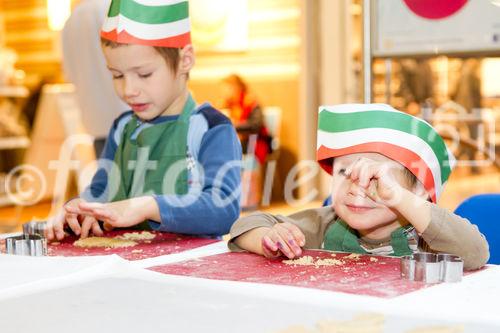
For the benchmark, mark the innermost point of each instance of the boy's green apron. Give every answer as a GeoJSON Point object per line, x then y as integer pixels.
{"type": "Point", "coordinates": [341, 237]}
{"type": "Point", "coordinates": [143, 163]}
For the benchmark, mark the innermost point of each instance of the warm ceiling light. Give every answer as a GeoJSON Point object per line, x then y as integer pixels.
{"type": "Point", "coordinates": [58, 12]}
{"type": "Point", "coordinates": [219, 25]}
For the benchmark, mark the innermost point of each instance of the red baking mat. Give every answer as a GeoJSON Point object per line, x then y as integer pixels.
{"type": "Point", "coordinates": [163, 243]}
{"type": "Point", "coordinates": [379, 277]}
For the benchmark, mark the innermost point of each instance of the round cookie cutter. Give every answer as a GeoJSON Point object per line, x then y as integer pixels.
{"type": "Point", "coordinates": [432, 267]}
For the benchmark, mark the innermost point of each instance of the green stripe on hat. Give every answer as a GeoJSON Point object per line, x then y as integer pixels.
{"type": "Point", "coordinates": [341, 122]}
{"type": "Point", "coordinates": [149, 14]}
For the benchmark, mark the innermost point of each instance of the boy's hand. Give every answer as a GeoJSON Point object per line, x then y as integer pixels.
{"type": "Point", "coordinates": [119, 214]}
{"type": "Point", "coordinates": [283, 238]}
{"type": "Point", "coordinates": [377, 179]}
{"type": "Point", "coordinates": [79, 224]}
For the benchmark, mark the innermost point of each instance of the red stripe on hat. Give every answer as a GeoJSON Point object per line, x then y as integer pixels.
{"type": "Point", "coordinates": [178, 41]}
{"type": "Point", "coordinates": [406, 157]}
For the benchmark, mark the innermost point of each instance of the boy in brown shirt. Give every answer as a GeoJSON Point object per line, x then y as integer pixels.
{"type": "Point", "coordinates": [388, 169]}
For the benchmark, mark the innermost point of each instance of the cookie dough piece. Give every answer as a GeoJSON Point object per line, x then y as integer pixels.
{"type": "Point", "coordinates": [106, 242]}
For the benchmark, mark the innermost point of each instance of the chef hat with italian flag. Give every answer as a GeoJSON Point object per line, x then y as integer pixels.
{"type": "Point", "coordinates": [163, 23]}
{"type": "Point", "coordinates": [379, 128]}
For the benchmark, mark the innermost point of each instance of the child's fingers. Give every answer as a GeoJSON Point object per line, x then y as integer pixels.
{"type": "Point", "coordinates": [297, 234]}
{"type": "Point", "coordinates": [269, 248]}
{"type": "Point", "coordinates": [372, 188]}
{"type": "Point", "coordinates": [271, 255]}
{"type": "Point", "coordinates": [98, 213]}
{"type": "Point", "coordinates": [79, 212]}
{"type": "Point", "coordinates": [73, 223]}
{"type": "Point", "coordinates": [353, 170]}
{"type": "Point", "coordinates": [87, 225]}
{"type": "Point", "coordinates": [106, 216]}
{"type": "Point", "coordinates": [54, 223]}
{"type": "Point", "coordinates": [96, 229]}
{"type": "Point", "coordinates": [49, 229]}
{"type": "Point", "coordinates": [73, 210]}
{"type": "Point", "coordinates": [281, 244]}
{"type": "Point", "coordinates": [373, 191]}
{"type": "Point", "coordinates": [49, 232]}
{"type": "Point", "coordinates": [269, 244]}
{"type": "Point", "coordinates": [58, 231]}
{"type": "Point", "coordinates": [90, 206]}
{"type": "Point", "coordinates": [285, 249]}
{"type": "Point", "coordinates": [281, 237]}
{"type": "Point", "coordinates": [359, 169]}
{"type": "Point", "coordinates": [289, 238]}
{"type": "Point", "coordinates": [366, 173]}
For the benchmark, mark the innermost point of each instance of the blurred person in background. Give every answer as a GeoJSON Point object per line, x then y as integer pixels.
{"type": "Point", "coordinates": [85, 67]}
{"type": "Point", "coordinates": [467, 93]}
{"type": "Point", "coordinates": [247, 116]}
{"type": "Point", "coordinates": [416, 84]}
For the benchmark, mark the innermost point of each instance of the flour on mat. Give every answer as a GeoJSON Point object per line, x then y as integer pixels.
{"type": "Point", "coordinates": [309, 261]}
{"type": "Point", "coordinates": [104, 242]}
{"type": "Point", "coordinates": [138, 236]}
{"type": "Point", "coordinates": [353, 256]}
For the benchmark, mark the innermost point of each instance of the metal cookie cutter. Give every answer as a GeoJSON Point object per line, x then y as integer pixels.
{"type": "Point", "coordinates": [34, 228]}
{"type": "Point", "coordinates": [432, 268]}
{"type": "Point", "coordinates": [27, 245]}
{"type": "Point", "coordinates": [452, 267]}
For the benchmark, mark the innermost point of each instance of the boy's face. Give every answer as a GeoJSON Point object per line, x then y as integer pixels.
{"type": "Point", "coordinates": [352, 203]}
{"type": "Point", "coordinates": [143, 80]}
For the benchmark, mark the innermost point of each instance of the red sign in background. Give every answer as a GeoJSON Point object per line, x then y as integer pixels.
{"type": "Point", "coordinates": [379, 277]}
{"type": "Point", "coordinates": [162, 244]}
{"type": "Point", "coordinates": [435, 9]}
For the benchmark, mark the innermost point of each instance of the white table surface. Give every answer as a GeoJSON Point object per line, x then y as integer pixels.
{"type": "Point", "coordinates": [97, 294]}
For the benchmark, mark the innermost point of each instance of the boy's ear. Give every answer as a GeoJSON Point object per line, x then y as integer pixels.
{"type": "Point", "coordinates": [187, 59]}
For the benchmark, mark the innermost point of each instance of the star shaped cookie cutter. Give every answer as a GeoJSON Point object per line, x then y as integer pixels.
{"type": "Point", "coordinates": [432, 267]}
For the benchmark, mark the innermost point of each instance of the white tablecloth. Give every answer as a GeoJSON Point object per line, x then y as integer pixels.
{"type": "Point", "coordinates": [109, 294]}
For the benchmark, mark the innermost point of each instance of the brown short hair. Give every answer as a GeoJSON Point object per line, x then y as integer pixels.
{"type": "Point", "coordinates": [171, 55]}
{"type": "Point", "coordinates": [410, 177]}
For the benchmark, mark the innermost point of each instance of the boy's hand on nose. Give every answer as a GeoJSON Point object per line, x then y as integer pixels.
{"type": "Point", "coordinates": [376, 179]}
{"type": "Point", "coordinates": [363, 171]}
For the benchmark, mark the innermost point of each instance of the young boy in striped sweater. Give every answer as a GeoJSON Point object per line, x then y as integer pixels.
{"type": "Point", "coordinates": [388, 169]}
